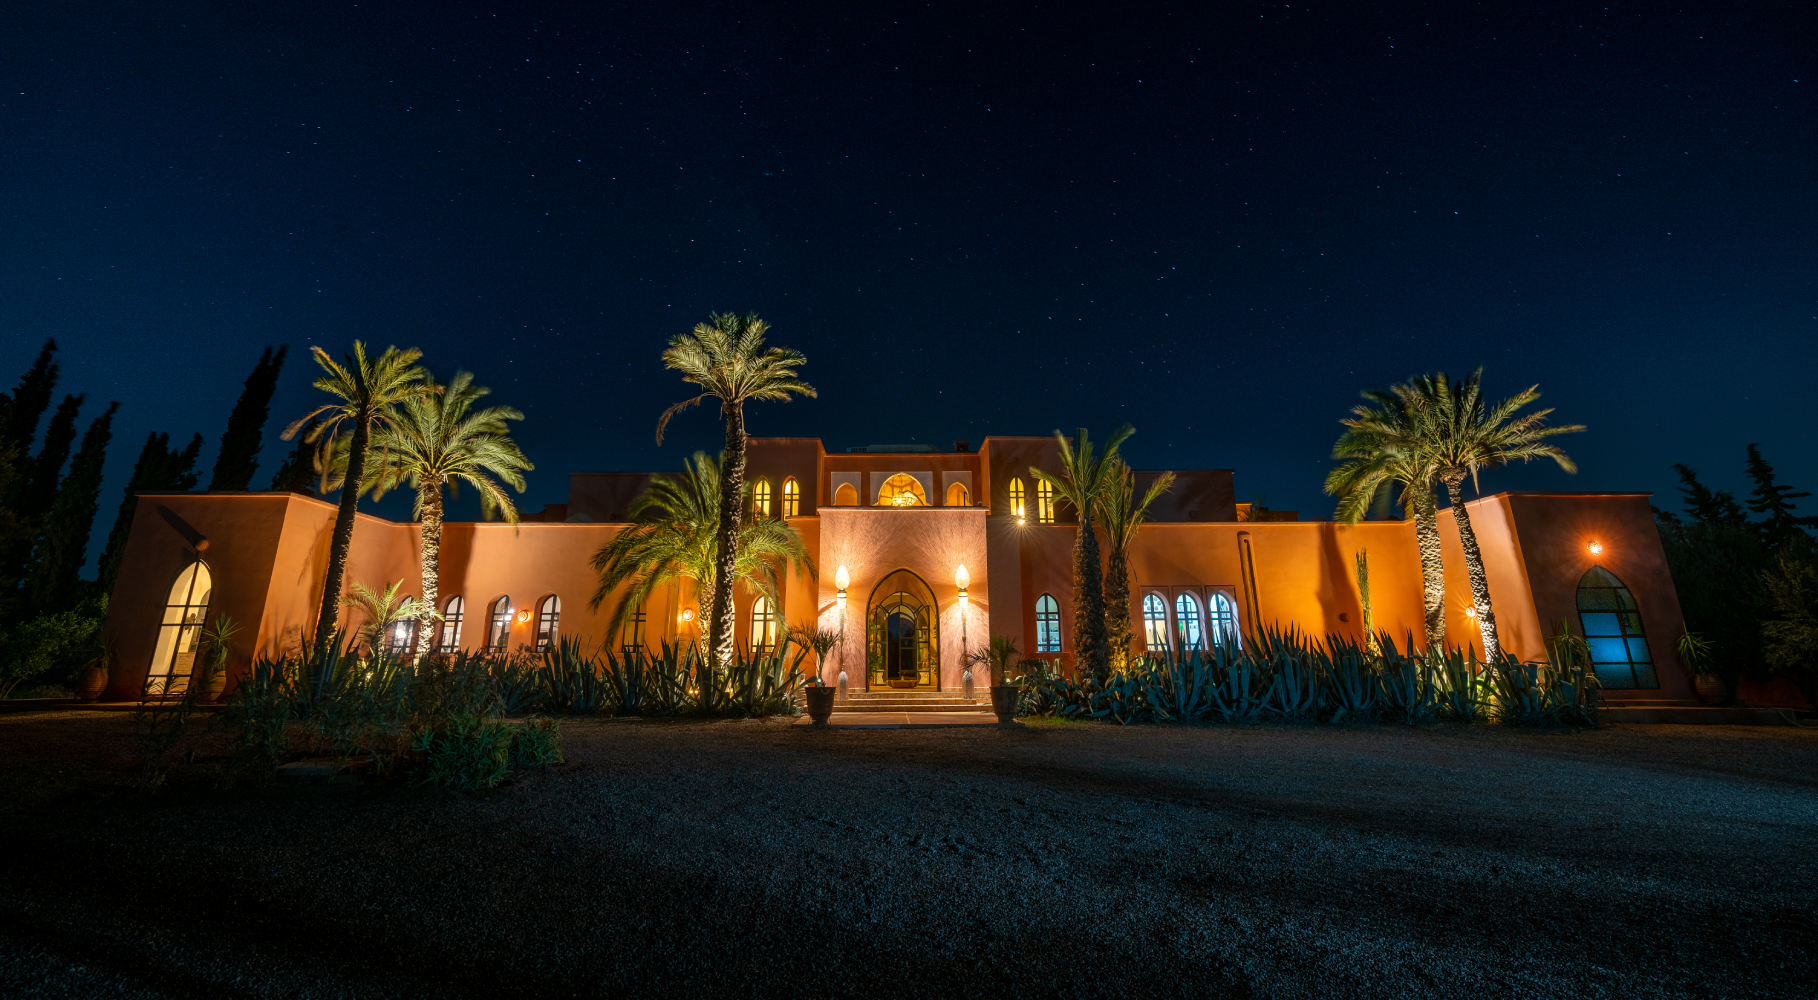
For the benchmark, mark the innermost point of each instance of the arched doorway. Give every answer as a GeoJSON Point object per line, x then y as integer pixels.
{"type": "Point", "coordinates": [180, 632]}
{"type": "Point", "coordinates": [902, 632]}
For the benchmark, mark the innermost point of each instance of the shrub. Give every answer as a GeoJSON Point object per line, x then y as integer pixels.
{"type": "Point", "coordinates": [571, 680]}
{"type": "Point", "coordinates": [537, 743]}
{"type": "Point", "coordinates": [466, 754]}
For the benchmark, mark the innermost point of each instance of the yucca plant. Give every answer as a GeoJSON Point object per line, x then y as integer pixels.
{"type": "Point", "coordinates": [1239, 687]}
{"type": "Point", "coordinates": [670, 678]}
{"type": "Point", "coordinates": [1353, 680]}
{"type": "Point", "coordinates": [626, 678]}
{"type": "Point", "coordinates": [514, 677]}
{"type": "Point", "coordinates": [256, 716]}
{"type": "Point", "coordinates": [1178, 684]}
{"type": "Point", "coordinates": [571, 678]}
{"type": "Point", "coordinates": [1410, 687]}
{"type": "Point", "coordinates": [1463, 692]}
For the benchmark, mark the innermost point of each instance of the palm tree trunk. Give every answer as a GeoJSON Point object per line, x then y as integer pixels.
{"type": "Point", "coordinates": [431, 559]}
{"type": "Point", "coordinates": [1432, 564]}
{"type": "Point", "coordinates": [1117, 607]}
{"type": "Point", "coordinates": [328, 619]}
{"type": "Point", "coordinates": [725, 558]}
{"type": "Point", "coordinates": [1480, 585]}
{"type": "Point", "coordinates": [1092, 648]}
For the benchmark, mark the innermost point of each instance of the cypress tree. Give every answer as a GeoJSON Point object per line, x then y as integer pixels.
{"type": "Point", "coordinates": [29, 400]}
{"type": "Point", "coordinates": [38, 493]}
{"type": "Point", "coordinates": [1705, 504]}
{"type": "Point", "coordinates": [159, 469]}
{"type": "Point", "coordinates": [297, 473]}
{"type": "Point", "coordinates": [12, 532]}
{"type": "Point", "coordinates": [1776, 501]}
{"type": "Point", "coordinates": [239, 457]}
{"type": "Point", "coordinates": [63, 547]}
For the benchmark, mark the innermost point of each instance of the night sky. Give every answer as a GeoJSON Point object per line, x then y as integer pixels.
{"type": "Point", "coordinates": [1216, 226]}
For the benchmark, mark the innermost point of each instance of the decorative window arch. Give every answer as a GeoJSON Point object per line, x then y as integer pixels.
{"type": "Point", "coordinates": [1221, 621]}
{"type": "Point", "coordinates": [901, 490]}
{"type": "Point", "coordinates": [1047, 624]}
{"type": "Point", "coordinates": [549, 620]}
{"type": "Point", "coordinates": [633, 637]}
{"type": "Point", "coordinates": [498, 624]}
{"type": "Point", "coordinates": [760, 497]}
{"type": "Point", "coordinates": [763, 625]}
{"type": "Point", "coordinates": [1155, 622]}
{"type": "Point", "coordinates": [452, 613]}
{"type": "Point", "coordinates": [956, 495]}
{"type": "Point", "coordinates": [792, 498]}
{"type": "Point", "coordinates": [180, 631]}
{"type": "Point", "coordinates": [1187, 622]}
{"type": "Point", "coordinates": [401, 637]}
{"type": "Point", "coordinates": [846, 495]}
{"type": "Point", "coordinates": [1612, 629]}
{"type": "Point", "coordinates": [1016, 499]}
{"type": "Point", "coordinates": [1044, 502]}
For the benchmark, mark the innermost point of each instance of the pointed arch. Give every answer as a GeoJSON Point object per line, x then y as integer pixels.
{"type": "Point", "coordinates": [1613, 631]}
{"type": "Point", "coordinates": [792, 498]}
{"type": "Point", "coordinates": [180, 631]}
{"type": "Point", "coordinates": [956, 496]}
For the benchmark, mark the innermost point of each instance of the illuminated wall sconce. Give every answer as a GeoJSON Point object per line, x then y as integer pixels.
{"type": "Point", "coordinates": [1596, 548]}
{"type": "Point", "coordinates": [841, 579]}
{"type": "Point", "coordinates": [964, 580]}
{"type": "Point", "coordinates": [1471, 612]}
{"type": "Point", "coordinates": [523, 616]}
{"type": "Point", "coordinates": [688, 614]}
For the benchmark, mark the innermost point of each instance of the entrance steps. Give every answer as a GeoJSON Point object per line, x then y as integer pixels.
{"type": "Point", "coordinates": [891, 700]}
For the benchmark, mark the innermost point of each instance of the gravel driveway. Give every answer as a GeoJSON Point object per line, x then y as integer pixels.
{"type": "Point", "coordinates": [707, 859]}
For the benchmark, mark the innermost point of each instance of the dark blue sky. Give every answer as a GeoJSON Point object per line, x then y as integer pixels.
{"type": "Point", "coordinates": [974, 220]}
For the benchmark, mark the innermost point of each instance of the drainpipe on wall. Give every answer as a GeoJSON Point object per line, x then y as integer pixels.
{"type": "Point", "coordinates": [1246, 568]}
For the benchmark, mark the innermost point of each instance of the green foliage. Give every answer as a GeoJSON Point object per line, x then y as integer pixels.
{"type": "Point", "coordinates": [256, 715]}
{"type": "Point", "coordinates": [53, 648]}
{"type": "Point", "coordinates": [537, 743]}
{"type": "Point", "coordinates": [571, 679]}
{"type": "Point", "coordinates": [167, 727]}
{"type": "Point", "coordinates": [514, 677]}
{"type": "Point", "coordinates": [1791, 635]}
{"type": "Point", "coordinates": [467, 753]}
{"type": "Point", "coordinates": [238, 458]}
{"type": "Point", "coordinates": [62, 547]}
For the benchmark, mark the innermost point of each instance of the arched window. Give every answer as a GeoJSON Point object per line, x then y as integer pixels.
{"type": "Point", "coordinates": [760, 497]}
{"type": "Point", "coordinates": [763, 625]}
{"type": "Point", "coordinates": [1221, 621]}
{"type": "Point", "coordinates": [1047, 624]}
{"type": "Point", "coordinates": [549, 618]}
{"type": "Point", "coordinates": [1016, 500]}
{"type": "Point", "coordinates": [634, 632]}
{"type": "Point", "coordinates": [1155, 622]}
{"type": "Point", "coordinates": [451, 625]}
{"type": "Point", "coordinates": [1044, 502]}
{"type": "Point", "coordinates": [401, 638]}
{"type": "Point", "coordinates": [1612, 630]}
{"type": "Point", "coordinates": [498, 625]}
{"type": "Point", "coordinates": [1186, 622]}
{"type": "Point", "coordinates": [845, 495]}
{"type": "Point", "coordinates": [956, 495]}
{"type": "Point", "coordinates": [901, 490]}
{"type": "Point", "coordinates": [792, 498]}
{"type": "Point", "coordinates": [180, 632]}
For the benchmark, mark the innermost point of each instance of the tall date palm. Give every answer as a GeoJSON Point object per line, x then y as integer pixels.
{"type": "Point", "coordinates": [1085, 476]}
{"type": "Point", "coordinates": [727, 359]}
{"type": "Point", "coordinates": [1121, 512]}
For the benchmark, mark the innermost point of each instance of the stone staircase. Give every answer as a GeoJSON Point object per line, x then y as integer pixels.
{"type": "Point", "coordinates": [889, 700]}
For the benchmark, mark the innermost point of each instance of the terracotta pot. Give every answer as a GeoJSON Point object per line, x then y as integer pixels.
{"type": "Point", "coordinates": [92, 682]}
{"type": "Point", "coordinates": [211, 692]}
{"type": "Point", "coordinates": [820, 703]}
{"type": "Point", "coordinates": [1003, 701]}
{"type": "Point", "coordinates": [1710, 689]}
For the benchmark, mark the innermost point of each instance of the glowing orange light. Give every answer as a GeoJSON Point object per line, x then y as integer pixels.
{"type": "Point", "coordinates": [688, 614]}
{"type": "Point", "coordinates": [1596, 548]}
{"type": "Point", "coordinates": [523, 616]}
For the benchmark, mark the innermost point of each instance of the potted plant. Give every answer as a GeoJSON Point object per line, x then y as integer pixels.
{"type": "Point", "coordinates": [1695, 653]}
{"type": "Point", "coordinates": [997, 657]}
{"type": "Point", "coordinates": [211, 666]}
{"type": "Point", "coordinates": [92, 681]}
{"type": "Point", "coordinates": [815, 690]}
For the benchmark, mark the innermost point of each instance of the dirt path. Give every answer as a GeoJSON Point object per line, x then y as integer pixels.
{"type": "Point", "coordinates": [749, 859]}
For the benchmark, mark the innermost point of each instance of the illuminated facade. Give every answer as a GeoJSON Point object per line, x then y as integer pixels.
{"type": "Point", "coordinates": [899, 523]}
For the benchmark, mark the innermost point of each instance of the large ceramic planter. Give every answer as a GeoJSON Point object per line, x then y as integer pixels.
{"type": "Point", "coordinates": [1710, 689]}
{"type": "Point", "coordinates": [211, 692]}
{"type": "Point", "coordinates": [820, 703]}
{"type": "Point", "coordinates": [92, 682]}
{"type": "Point", "coordinates": [1003, 701]}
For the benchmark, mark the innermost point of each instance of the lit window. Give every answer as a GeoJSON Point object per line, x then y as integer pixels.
{"type": "Point", "coordinates": [498, 631]}
{"type": "Point", "coordinates": [1221, 621]}
{"type": "Point", "coordinates": [549, 617]}
{"type": "Point", "coordinates": [956, 495]}
{"type": "Point", "coordinates": [1612, 630]}
{"type": "Point", "coordinates": [1047, 624]}
{"type": "Point", "coordinates": [763, 625]}
{"type": "Point", "coordinates": [901, 490]}
{"type": "Point", "coordinates": [1016, 498]}
{"type": "Point", "coordinates": [1155, 622]}
{"type": "Point", "coordinates": [760, 498]}
{"type": "Point", "coordinates": [1186, 622]}
{"type": "Point", "coordinates": [846, 495]}
{"type": "Point", "coordinates": [792, 498]}
{"type": "Point", "coordinates": [451, 625]}
{"type": "Point", "coordinates": [402, 636]}
{"type": "Point", "coordinates": [1044, 502]}
{"type": "Point", "coordinates": [180, 633]}
{"type": "Point", "coordinates": [634, 632]}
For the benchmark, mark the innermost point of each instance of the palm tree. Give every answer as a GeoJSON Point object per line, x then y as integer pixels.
{"type": "Point", "coordinates": [1121, 513]}
{"type": "Point", "coordinates": [821, 639]}
{"type": "Point", "coordinates": [383, 610]}
{"type": "Point", "coordinates": [1461, 434]}
{"type": "Point", "coordinates": [1380, 452]}
{"type": "Point", "coordinates": [368, 389]}
{"type": "Point", "coordinates": [727, 358]}
{"type": "Point", "coordinates": [1083, 480]}
{"type": "Point", "coordinates": [674, 536]}
{"type": "Point", "coordinates": [438, 439]}
{"type": "Point", "coordinates": [997, 656]}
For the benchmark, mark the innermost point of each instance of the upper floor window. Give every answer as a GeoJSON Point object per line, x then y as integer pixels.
{"type": "Point", "coordinates": [1044, 502]}
{"type": "Point", "coordinates": [498, 625]}
{"type": "Point", "coordinates": [763, 625]}
{"type": "Point", "coordinates": [845, 495]}
{"type": "Point", "coordinates": [549, 617]}
{"type": "Point", "coordinates": [792, 498]}
{"type": "Point", "coordinates": [901, 490]}
{"type": "Point", "coordinates": [760, 498]}
{"type": "Point", "coordinates": [1221, 621]}
{"type": "Point", "coordinates": [1155, 622]}
{"type": "Point", "coordinates": [1047, 624]}
{"type": "Point", "coordinates": [956, 495]}
{"type": "Point", "coordinates": [452, 613]}
{"type": "Point", "coordinates": [1016, 499]}
{"type": "Point", "coordinates": [1612, 630]}
{"type": "Point", "coordinates": [1186, 622]}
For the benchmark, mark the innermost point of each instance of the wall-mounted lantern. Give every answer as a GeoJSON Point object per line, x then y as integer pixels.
{"type": "Point", "coordinates": [523, 616]}
{"type": "Point", "coordinates": [841, 579]}
{"type": "Point", "coordinates": [1596, 548]}
{"type": "Point", "coordinates": [964, 580]}
{"type": "Point", "coordinates": [687, 614]}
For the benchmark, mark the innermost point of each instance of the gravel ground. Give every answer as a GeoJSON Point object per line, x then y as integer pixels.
{"type": "Point", "coordinates": [708, 859]}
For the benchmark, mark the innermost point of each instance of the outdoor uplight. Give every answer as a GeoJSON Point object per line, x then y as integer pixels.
{"type": "Point", "coordinates": [840, 580]}
{"type": "Point", "coordinates": [1596, 548]}
{"type": "Point", "coordinates": [963, 579]}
